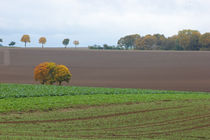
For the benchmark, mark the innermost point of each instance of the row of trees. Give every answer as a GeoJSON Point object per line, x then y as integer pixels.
{"type": "Point", "coordinates": [185, 40]}
{"type": "Point", "coordinates": [42, 40]}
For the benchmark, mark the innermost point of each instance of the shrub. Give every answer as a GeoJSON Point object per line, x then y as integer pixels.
{"type": "Point", "coordinates": [49, 73]}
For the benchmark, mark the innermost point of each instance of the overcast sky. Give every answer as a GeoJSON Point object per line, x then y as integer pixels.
{"type": "Point", "coordinates": [98, 21]}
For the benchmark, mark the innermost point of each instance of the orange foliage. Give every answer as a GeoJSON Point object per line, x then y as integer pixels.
{"type": "Point", "coordinates": [49, 73]}
{"type": "Point", "coordinates": [44, 73]}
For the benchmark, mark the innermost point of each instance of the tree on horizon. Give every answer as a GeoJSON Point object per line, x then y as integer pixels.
{"type": "Point", "coordinates": [12, 43]}
{"type": "Point", "coordinates": [42, 41]}
{"type": "Point", "coordinates": [76, 42]}
{"type": "Point", "coordinates": [25, 39]}
{"type": "Point", "coordinates": [66, 42]}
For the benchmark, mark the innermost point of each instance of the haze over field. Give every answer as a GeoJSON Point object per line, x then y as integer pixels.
{"type": "Point", "coordinates": [98, 22]}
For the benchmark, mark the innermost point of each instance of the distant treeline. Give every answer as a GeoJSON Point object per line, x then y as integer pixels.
{"type": "Point", "coordinates": [184, 40]}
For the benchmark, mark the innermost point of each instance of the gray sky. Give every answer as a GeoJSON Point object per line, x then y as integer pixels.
{"type": "Point", "coordinates": [98, 21]}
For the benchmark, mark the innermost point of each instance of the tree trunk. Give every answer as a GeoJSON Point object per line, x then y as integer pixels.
{"type": "Point", "coordinates": [42, 46]}
{"type": "Point", "coordinates": [59, 83]}
{"type": "Point", "coordinates": [25, 44]}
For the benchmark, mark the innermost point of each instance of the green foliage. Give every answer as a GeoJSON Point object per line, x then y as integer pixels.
{"type": "Point", "coordinates": [1, 40]}
{"type": "Point", "coordinates": [160, 39]}
{"type": "Point", "coordinates": [66, 42]}
{"type": "Point", "coordinates": [12, 43]}
{"type": "Point", "coordinates": [97, 47]}
{"type": "Point", "coordinates": [106, 47]}
{"type": "Point", "coordinates": [189, 39]}
{"type": "Point", "coordinates": [128, 41]}
{"type": "Point", "coordinates": [205, 40]}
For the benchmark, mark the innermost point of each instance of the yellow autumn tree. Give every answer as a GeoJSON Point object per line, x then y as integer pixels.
{"type": "Point", "coordinates": [62, 74]}
{"type": "Point", "coordinates": [25, 39]}
{"type": "Point", "coordinates": [145, 43]}
{"type": "Point", "coordinates": [42, 41]}
{"type": "Point", "coordinates": [44, 73]}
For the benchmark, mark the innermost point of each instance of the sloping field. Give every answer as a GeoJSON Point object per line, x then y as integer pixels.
{"type": "Point", "coordinates": [124, 69]}
{"type": "Point", "coordinates": [102, 113]}
{"type": "Point", "coordinates": [189, 120]}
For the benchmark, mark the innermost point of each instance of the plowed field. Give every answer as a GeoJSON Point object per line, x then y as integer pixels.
{"type": "Point", "coordinates": [169, 70]}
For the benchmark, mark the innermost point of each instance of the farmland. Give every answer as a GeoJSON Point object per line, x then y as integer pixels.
{"type": "Point", "coordinates": [102, 113]}
{"type": "Point", "coordinates": [167, 70]}
{"type": "Point", "coordinates": [36, 97]}
{"type": "Point", "coordinates": [112, 95]}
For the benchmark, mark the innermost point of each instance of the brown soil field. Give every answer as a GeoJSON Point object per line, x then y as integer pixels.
{"type": "Point", "coordinates": [168, 70]}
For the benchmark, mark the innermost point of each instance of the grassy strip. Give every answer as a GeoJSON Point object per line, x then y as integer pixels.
{"type": "Point", "coordinates": [56, 102]}
{"type": "Point", "coordinates": [20, 91]}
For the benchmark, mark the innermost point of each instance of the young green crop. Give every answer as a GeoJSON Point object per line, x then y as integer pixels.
{"type": "Point", "coordinates": [55, 112]}
{"type": "Point", "coordinates": [158, 119]}
{"type": "Point", "coordinates": [20, 91]}
{"type": "Point", "coordinates": [16, 97]}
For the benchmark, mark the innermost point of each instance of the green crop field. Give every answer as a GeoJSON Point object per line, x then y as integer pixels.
{"type": "Point", "coordinates": [64, 112]}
